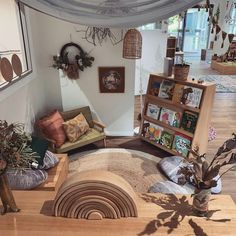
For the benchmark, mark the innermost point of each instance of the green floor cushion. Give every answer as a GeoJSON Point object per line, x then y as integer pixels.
{"type": "Point", "coordinates": [170, 187]}
{"type": "Point", "coordinates": [25, 180]}
{"type": "Point", "coordinates": [40, 146]}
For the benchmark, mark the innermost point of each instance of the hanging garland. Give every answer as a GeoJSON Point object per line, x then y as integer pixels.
{"type": "Point", "coordinates": [72, 58]}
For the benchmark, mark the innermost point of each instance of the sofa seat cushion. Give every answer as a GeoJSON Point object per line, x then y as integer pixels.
{"type": "Point", "coordinates": [91, 136]}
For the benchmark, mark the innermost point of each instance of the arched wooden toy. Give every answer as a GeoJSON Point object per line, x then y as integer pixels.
{"type": "Point", "coordinates": [95, 195]}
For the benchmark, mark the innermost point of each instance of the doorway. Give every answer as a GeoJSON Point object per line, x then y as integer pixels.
{"type": "Point", "coordinates": [192, 31]}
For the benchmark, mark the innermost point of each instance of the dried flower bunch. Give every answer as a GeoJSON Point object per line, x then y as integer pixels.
{"type": "Point", "coordinates": [203, 174]}
{"type": "Point", "coordinates": [15, 151]}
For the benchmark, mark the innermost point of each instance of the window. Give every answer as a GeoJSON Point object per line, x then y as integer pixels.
{"type": "Point", "coordinates": [232, 22]}
{"type": "Point", "coordinates": [151, 26]}
{"type": "Point", "coordinates": [13, 41]}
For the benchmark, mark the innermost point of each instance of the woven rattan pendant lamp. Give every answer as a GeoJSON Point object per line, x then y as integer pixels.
{"type": "Point", "coordinates": [132, 44]}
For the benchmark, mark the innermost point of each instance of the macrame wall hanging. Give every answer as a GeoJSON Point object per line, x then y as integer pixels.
{"type": "Point", "coordinates": [72, 58]}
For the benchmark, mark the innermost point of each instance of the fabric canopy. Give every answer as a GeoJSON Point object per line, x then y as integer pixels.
{"type": "Point", "coordinates": [111, 13]}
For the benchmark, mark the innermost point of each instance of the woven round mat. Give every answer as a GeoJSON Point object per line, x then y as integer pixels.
{"type": "Point", "coordinates": [138, 168]}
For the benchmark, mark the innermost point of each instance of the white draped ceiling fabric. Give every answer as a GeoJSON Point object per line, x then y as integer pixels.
{"type": "Point", "coordinates": [111, 13]}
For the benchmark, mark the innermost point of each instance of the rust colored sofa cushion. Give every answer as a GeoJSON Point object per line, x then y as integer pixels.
{"type": "Point", "coordinates": [52, 128]}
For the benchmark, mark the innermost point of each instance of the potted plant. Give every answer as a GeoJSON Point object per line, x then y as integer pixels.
{"type": "Point", "coordinates": [181, 71]}
{"type": "Point", "coordinates": [15, 153]}
{"type": "Point", "coordinates": [204, 175]}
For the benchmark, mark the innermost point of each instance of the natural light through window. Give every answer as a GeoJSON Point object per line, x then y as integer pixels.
{"type": "Point", "coordinates": [14, 51]}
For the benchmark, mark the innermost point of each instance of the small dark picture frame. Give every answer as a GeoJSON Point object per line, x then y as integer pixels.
{"type": "Point", "coordinates": [111, 79]}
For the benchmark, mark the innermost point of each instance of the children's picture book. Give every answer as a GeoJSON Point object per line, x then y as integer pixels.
{"type": "Point", "coordinates": [178, 93]}
{"type": "Point", "coordinates": [166, 138]}
{"type": "Point", "coordinates": [153, 111]}
{"type": "Point", "coordinates": [189, 121]}
{"type": "Point", "coordinates": [153, 132]}
{"type": "Point", "coordinates": [191, 96]}
{"type": "Point", "coordinates": [166, 89]}
{"type": "Point", "coordinates": [155, 88]}
{"type": "Point", "coordinates": [170, 117]}
{"type": "Point", "coordinates": [181, 144]}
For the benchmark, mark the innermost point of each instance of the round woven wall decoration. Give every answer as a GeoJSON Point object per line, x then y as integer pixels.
{"type": "Point", "coordinates": [6, 69]}
{"type": "Point", "coordinates": [16, 64]}
{"type": "Point", "coordinates": [132, 44]}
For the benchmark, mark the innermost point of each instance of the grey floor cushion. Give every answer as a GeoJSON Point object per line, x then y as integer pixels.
{"type": "Point", "coordinates": [28, 179]}
{"type": "Point", "coordinates": [171, 187]}
{"type": "Point", "coordinates": [171, 165]}
{"type": "Point", "coordinates": [50, 160]}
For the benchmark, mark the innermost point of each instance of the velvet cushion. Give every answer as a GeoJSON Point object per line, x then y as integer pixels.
{"type": "Point", "coordinates": [40, 146]}
{"type": "Point", "coordinates": [76, 127]}
{"type": "Point", "coordinates": [171, 188]}
{"type": "Point", "coordinates": [171, 165]}
{"type": "Point", "coordinates": [51, 126]}
{"type": "Point", "coordinates": [50, 160]}
{"type": "Point", "coordinates": [28, 179]}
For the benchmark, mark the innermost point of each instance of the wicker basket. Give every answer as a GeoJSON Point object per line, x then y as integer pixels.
{"type": "Point", "coordinates": [181, 72]}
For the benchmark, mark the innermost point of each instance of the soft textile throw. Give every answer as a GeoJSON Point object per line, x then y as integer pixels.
{"type": "Point", "coordinates": [111, 13]}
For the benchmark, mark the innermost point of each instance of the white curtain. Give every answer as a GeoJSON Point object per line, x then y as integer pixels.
{"type": "Point", "coordinates": [111, 13]}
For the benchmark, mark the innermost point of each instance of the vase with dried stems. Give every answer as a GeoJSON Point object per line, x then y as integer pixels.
{"type": "Point", "coordinates": [15, 153]}
{"type": "Point", "coordinates": [204, 175]}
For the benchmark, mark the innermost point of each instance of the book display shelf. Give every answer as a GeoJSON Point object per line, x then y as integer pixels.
{"type": "Point", "coordinates": [177, 114]}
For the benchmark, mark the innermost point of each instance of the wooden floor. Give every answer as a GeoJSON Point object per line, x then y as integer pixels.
{"type": "Point", "coordinates": [223, 119]}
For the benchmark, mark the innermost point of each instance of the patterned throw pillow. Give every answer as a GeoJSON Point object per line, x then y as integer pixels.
{"type": "Point", "coordinates": [76, 127]}
{"type": "Point", "coordinates": [52, 127]}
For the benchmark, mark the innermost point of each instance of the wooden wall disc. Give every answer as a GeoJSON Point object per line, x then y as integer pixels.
{"type": "Point", "coordinates": [6, 69]}
{"type": "Point", "coordinates": [16, 64]}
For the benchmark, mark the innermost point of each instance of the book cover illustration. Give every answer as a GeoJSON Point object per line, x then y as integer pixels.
{"type": "Point", "coordinates": [191, 96]}
{"type": "Point", "coordinates": [155, 88]}
{"type": "Point", "coordinates": [178, 93]}
{"type": "Point", "coordinates": [170, 117]}
{"type": "Point", "coordinates": [153, 111]}
{"type": "Point", "coordinates": [189, 121]}
{"type": "Point", "coordinates": [167, 89]}
{"type": "Point", "coordinates": [153, 132]}
{"type": "Point", "coordinates": [181, 144]}
{"type": "Point", "coordinates": [166, 139]}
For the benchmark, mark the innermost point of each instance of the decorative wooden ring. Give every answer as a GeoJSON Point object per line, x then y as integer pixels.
{"type": "Point", "coordinates": [16, 65]}
{"type": "Point", "coordinates": [6, 69]}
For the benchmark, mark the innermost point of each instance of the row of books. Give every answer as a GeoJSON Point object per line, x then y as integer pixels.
{"type": "Point", "coordinates": [186, 120]}
{"type": "Point", "coordinates": [172, 140]}
{"type": "Point", "coordinates": [178, 93]}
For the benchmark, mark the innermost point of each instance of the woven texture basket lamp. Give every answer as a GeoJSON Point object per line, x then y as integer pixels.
{"type": "Point", "coordinates": [132, 44]}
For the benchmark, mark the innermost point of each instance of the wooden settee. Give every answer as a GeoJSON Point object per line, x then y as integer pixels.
{"type": "Point", "coordinates": [95, 133]}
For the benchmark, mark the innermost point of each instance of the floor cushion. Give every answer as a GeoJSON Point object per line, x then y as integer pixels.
{"type": "Point", "coordinates": [50, 160]}
{"type": "Point", "coordinates": [170, 167]}
{"type": "Point", "coordinates": [171, 188]}
{"type": "Point", "coordinates": [25, 180]}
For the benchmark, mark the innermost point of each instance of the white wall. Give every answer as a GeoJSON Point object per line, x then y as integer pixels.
{"type": "Point", "coordinates": [152, 61]}
{"type": "Point", "coordinates": [115, 110]}
{"type": "Point", "coordinates": [24, 101]}
{"type": "Point", "coordinates": [224, 27]}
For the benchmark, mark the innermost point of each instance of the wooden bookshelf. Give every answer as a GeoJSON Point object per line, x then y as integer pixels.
{"type": "Point", "coordinates": [200, 135]}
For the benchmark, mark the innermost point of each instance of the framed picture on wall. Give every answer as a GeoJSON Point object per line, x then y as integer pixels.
{"type": "Point", "coordinates": [111, 79]}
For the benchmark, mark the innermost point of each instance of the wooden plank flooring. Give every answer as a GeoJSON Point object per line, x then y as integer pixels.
{"type": "Point", "coordinates": [223, 119]}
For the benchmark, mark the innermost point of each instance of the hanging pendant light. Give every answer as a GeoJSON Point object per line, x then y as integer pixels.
{"type": "Point", "coordinates": [132, 45]}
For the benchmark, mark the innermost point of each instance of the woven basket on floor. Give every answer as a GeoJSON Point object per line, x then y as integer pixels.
{"type": "Point", "coordinates": [181, 72]}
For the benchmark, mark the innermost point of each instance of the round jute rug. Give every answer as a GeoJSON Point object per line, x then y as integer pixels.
{"type": "Point", "coordinates": [138, 168]}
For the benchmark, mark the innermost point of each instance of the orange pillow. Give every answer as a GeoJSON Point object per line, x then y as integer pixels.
{"type": "Point", "coordinates": [76, 127]}
{"type": "Point", "coordinates": [51, 126]}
